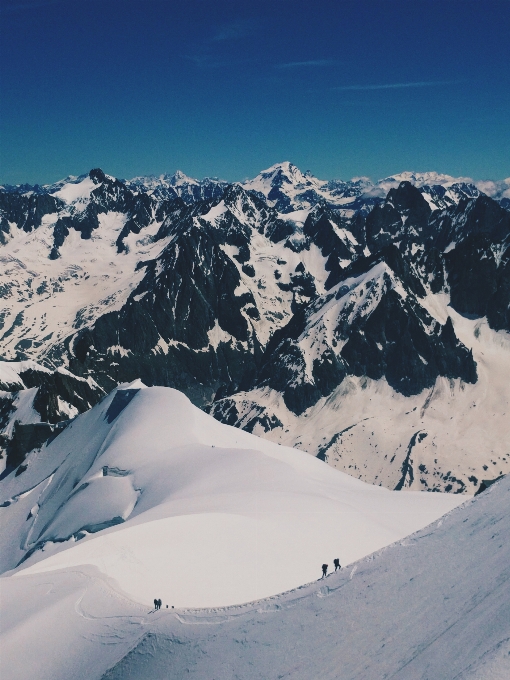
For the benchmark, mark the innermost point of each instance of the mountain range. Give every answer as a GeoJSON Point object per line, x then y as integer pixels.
{"type": "Point", "coordinates": [363, 322]}
{"type": "Point", "coordinates": [185, 362]}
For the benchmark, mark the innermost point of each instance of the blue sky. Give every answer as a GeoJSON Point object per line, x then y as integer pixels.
{"type": "Point", "coordinates": [226, 89]}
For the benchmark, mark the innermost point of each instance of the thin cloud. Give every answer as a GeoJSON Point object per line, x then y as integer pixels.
{"type": "Point", "coordinates": [311, 62]}
{"type": "Point", "coordinates": [234, 30]}
{"type": "Point", "coordinates": [397, 86]}
{"type": "Point", "coordinates": [205, 55]}
{"type": "Point", "coordinates": [205, 60]}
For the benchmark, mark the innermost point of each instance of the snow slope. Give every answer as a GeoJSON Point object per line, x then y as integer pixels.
{"type": "Point", "coordinates": [49, 298]}
{"type": "Point", "coordinates": [446, 438]}
{"type": "Point", "coordinates": [165, 500]}
{"type": "Point", "coordinates": [434, 605]}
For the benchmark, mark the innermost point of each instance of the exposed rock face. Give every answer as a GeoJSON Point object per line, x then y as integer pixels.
{"type": "Point", "coordinates": [478, 266]}
{"type": "Point", "coordinates": [26, 211]}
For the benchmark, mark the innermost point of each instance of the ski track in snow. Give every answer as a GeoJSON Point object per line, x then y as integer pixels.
{"type": "Point", "coordinates": [435, 606]}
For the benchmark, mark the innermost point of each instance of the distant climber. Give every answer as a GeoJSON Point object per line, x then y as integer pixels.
{"type": "Point", "coordinates": [155, 603]}
{"type": "Point", "coordinates": [336, 562]}
{"type": "Point", "coordinates": [324, 570]}
{"type": "Point", "coordinates": [159, 604]}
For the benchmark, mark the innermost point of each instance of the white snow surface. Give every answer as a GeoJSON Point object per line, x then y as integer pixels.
{"type": "Point", "coordinates": [298, 217]}
{"type": "Point", "coordinates": [203, 514]}
{"type": "Point", "coordinates": [10, 371]}
{"type": "Point", "coordinates": [433, 605]}
{"type": "Point", "coordinates": [23, 410]}
{"type": "Point", "coordinates": [76, 192]}
{"type": "Point", "coordinates": [47, 300]}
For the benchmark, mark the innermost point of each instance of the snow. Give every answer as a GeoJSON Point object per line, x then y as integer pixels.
{"type": "Point", "coordinates": [72, 193]}
{"type": "Point", "coordinates": [294, 184]}
{"type": "Point", "coordinates": [205, 514]}
{"type": "Point", "coordinates": [217, 335]}
{"type": "Point", "coordinates": [10, 371]}
{"type": "Point", "coordinates": [290, 181]}
{"type": "Point", "coordinates": [467, 425]}
{"type": "Point", "coordinates": [298, 217]}
{"type": "Point", "coordinates": [57, 297]}
{"type": "Point", "coordinates": [358, 295]}
{"type": "Point", "coordinates": [23, 410]}
{"type": "Point", "coordinates": [179, 179]}
{"type": "Point", "coordinates": [425, 178]}
{"type": "Point", "coordinates": [215, 212]}
{"type": "Point", "coordinates": [432, 605]}
{"type": "Point", "coordinates": [46, 301]}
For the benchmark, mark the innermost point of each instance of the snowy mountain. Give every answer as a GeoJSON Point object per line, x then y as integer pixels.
{"type": "Point", "coordinates": [179, 185]}
{"type": "Point", "coordinates": [364, 323]}
{"type": "Point", "coordinates": [283, 306]}
{"type": "Point", "coordinates": [434, 604]}
{"type": "Point", "coordinates": [146, 462]}
{"type": "Point", "coordinates": [35, 403]}
{"type": "Point", "coordinates": [287, 188]}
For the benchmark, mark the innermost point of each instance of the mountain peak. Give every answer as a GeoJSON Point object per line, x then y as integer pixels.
{"type": "Point", "coordinates": [284, 184]}
{"type": "Point", "coordinates": [97, 175]}
{"type": "Point", "coordinates": [179, 178]}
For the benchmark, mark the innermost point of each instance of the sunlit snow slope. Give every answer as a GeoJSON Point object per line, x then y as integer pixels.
{"type": "Point", "coordinates": [191, 510]}
{"type": "Point", "coordinates": [434, 605]}
{"type": "Point", "coordinates": [446, 438]}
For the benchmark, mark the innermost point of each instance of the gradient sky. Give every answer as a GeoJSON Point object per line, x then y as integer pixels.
{"type": "Point", "coordinates": [216, 88]}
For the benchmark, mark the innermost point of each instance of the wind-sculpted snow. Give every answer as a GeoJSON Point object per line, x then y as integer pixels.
{"type": "Point", "coordinates": [432, 605]}
{"type": "Point", "coordinates": [161, 497]}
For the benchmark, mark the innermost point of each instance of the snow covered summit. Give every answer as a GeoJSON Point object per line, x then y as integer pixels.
{"type": "Point", "coordinates": [165, 500]}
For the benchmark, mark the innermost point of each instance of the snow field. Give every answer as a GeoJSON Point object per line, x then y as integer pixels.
{"type": "Point", "coordinates": [433, 605]}
{"type": "Point", "coordinates": [199, 513]}
{"type": "Point", "coordinates": [55, 297]}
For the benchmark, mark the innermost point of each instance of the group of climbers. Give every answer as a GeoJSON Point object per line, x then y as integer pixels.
{"type": "Point", "coordinates": [336, 562]}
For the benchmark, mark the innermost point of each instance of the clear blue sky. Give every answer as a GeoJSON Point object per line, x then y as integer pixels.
{"type": "Point", "coordinates": [339, 87]}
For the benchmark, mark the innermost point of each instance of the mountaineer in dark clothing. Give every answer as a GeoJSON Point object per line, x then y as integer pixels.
{"type": "Point", "coordinates": [155, 603]}
{"type": "Point", "coordinates": [324, 570]}
{"type": "Point", "coordinates": [336, 562]}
